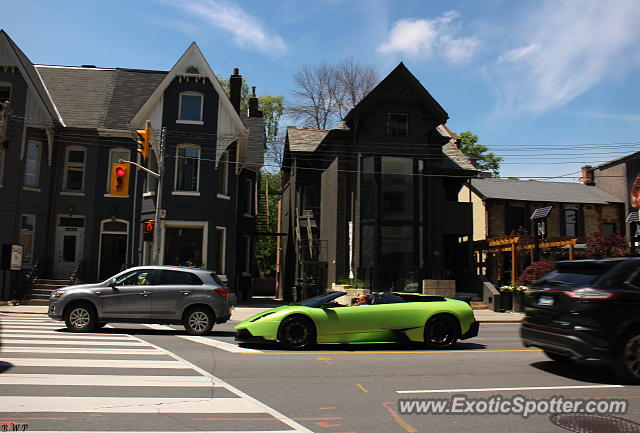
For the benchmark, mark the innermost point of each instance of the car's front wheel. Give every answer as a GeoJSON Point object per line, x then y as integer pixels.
{"type": "Point", "coordinates": [441, 332]}
{"type": "Point", "coordinates": [626, 359]}
{"type": "Point", "coordinates": [297, 333]}
{"type": "Point", "coordinates": [81, 317]}
{"type": "Point", "coordinates": [198, 321]}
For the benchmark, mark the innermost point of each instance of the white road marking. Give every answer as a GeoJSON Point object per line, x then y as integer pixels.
{"type": "Point", "coordinates": [61, 336]}
{"type": "Point", "coordinates": [194, 431]}
{"type": "Point", "coordinates": [40, 349]}
{"type": "Point", "coordinates": [102, 380]}
{"type": "Point", "coordinates": [209, 341]}
{"type": "Point", "coordinates": [38, 328]}
{"type": "Point", "coordinates": [84, 362]}
{"type": "Point", "coordinates": [52, 332]}
{"type": "Point", "coordinates": [4, 323]}
{"type": "Point", "coordinates": [11, 342]}
{"type": "Point", "coordinates": [160, 327]}
{"type": "Point", "coordinates": [128, 405]}
{"type": "Point", "coordinates": [522, 388]}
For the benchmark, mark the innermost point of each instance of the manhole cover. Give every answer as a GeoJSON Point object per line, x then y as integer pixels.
{"type": "Point", "coordinates": [586, 423]}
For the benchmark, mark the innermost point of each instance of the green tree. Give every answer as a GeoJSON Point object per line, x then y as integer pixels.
{"type": "Point", "coordinates": [265, 245]}
{"type": "Point", "coordinates": [477, 152]}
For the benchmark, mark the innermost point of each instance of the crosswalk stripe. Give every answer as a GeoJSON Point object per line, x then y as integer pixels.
{"type": "Point", "coordinates": [102, 380]}
{"type": "Point", "coordinates": [39, 328]}
{"type": "Point", "coordinates": [39, 349]}
{"type": "Point", "coordinates": [4, 323]}
{"type": "Point", "coordinates": [55, 332]}
{"type": "Point", "coordinates": [223, 345]}
{"type": "Point", "coordinates": [103, 363]}
{"type": "Point", "coordinates": [9, 342]}
{"type": "Point", "coordinates": [128, 405]}
{"type": "Point", "coordinates": [33, 335]}
{"type": "Point", "coordinates": [182, 431]}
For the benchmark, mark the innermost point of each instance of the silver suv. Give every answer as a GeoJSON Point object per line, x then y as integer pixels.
{"type": "Point", "coordinates": [195, 298]}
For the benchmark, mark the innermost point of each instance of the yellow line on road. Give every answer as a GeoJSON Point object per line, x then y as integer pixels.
{"type": "Point", "coordinates": [397, 418]}
{"type": "Point", "coordinates": [407, 352]}
{"type": "Point", "coordinates": [361, 387]}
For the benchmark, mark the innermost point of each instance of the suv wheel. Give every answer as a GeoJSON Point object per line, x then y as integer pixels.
{"type": "Point", "coordinates": [81, 317]}
{"type": "Point", "coordinates": [626, 359]}
{"type": "Point", "coordinates": [198, 321]}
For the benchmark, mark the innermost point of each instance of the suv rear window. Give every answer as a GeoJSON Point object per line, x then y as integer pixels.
{"type": "Point", "coordinates": [171, 278]}
{"type": "Point", "coordinates": [572, 275]}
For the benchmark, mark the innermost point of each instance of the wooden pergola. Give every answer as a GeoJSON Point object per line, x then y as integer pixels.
{"type": "Point", "coordinates": [512, 244]}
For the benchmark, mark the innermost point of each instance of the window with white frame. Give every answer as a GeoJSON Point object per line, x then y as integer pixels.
{"type": "Point", "coordinates": [115, 155]}
{"type": "Point", "coordinates": [151, 184]}
{"type": "Point", "coordinates": [248, 202]}
{"type": "Point", "coordinates": [222, 174]}
{"type": "Point", "coordinates": [32, 164]}
{"type": "Point", "coordinates": [27, 234]}
{"type": "Point", "coordinates": [187, 168]}
{"type": "Point", "coordinates": [74, 166]}
{"type": "Point", "coordinates": [190, 107]}
{"type": "Point", "coordinates": [221, 250]}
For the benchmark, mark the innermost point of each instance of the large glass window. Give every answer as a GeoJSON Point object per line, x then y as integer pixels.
{"type": "Point", "coordinates": [187, 168]}
{"type": "Point", "coordinates": [397, 188]}
{"type": "Point", "coordinates": [115, 155]}
{"type": "Point", "coordinates": [74, 169]}
{"type": "Point", "coordinates": [183, 246]}
{"type": "Point", "coordinates": [515, 219]}
{"type": "Point", "coordinates": [27, 234]}
{"type": "Point", "coordinates": [222, 174]}
{"type": "Point", "coordinates": [571, 222]}
{"type": "Point", "coordinates": [190, 107]}
{"type": "Point", "coordinates": [32, 164]}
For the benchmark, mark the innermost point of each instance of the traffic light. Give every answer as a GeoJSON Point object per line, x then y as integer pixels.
{"type": "Point", "coordinates": [148, 230]}
{"type": "Point", "coordinates": [119, 179]}
{"type": "Point", "coordinates": [144, 135]}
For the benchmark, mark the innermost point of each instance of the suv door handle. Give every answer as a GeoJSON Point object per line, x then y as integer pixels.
{"type": "Point", "coordinates": [145, 293]}
{"type": "Point", "coordinates": [185, 292]}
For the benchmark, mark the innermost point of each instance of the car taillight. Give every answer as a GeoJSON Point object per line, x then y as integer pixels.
{"type": "Point", "coordinates": [590, 294]}
{"type": "Point", "coordinates": [222, 292]}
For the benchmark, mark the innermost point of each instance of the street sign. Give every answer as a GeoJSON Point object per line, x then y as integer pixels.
{"type": "Point", "coordinates": [16, 258]}
{"type": "Point", "coordinates": [542, 229]}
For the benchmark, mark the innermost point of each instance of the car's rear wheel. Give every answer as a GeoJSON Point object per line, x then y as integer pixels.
{"type": "Point", "coordinates": [198, 321]}
{"type": "Point", "coordinates": [441, 332]}
{"type": "Point", "coordinates": [297, 333]}
{"type": "Point", "coordinates": [558, 357]}
{"type": "Point", "coordinates": [81, 317]}
{"type": "Point", "coordinates": [626, 359]}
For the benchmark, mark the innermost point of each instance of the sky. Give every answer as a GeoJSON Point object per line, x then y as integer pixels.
{"type": "Point", "coordinates": [549, 85]}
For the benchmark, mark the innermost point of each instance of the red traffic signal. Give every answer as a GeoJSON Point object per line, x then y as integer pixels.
{"type": "Point", "coordinates": [119, 179]}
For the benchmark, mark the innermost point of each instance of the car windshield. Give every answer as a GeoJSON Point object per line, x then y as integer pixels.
{"type": "Point", "coordinates": [317, 301]}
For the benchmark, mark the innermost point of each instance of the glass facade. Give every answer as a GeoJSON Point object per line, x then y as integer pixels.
{"type": "Point", "coordinates": [391, 222]}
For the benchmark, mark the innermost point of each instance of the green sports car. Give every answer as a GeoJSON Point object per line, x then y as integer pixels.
{"type": "Point", "coordinates": [385, 318]}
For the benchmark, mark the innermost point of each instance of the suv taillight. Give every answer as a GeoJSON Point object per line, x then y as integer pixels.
{"type": "Point", "coordinates": [222, 292]}
{"type": "Point", "coordinates": [590, 294]}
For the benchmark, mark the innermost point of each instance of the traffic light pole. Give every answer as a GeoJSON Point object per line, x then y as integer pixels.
{"type": "Point", "coordinates": [157, 223]}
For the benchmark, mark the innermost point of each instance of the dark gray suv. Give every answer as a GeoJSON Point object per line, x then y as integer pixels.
{"type": "Point", "coordinates": [195, 298]}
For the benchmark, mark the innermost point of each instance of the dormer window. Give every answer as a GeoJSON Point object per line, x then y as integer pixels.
{"type": "Point", "coordinates": [190, 110]}
{"type": "Point", "coordinates": [398, 124]}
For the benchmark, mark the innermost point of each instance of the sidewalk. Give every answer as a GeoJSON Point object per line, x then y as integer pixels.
{"type": "Point", "coordinates": [246, 310]}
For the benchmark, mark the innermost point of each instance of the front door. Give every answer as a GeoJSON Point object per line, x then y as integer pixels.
{"type": "Point", "coordinates": [129, 297]}
{"type": "Point", "coordinates": [69, 250]}
{"type": "Point", "coordinates": [113, 254]}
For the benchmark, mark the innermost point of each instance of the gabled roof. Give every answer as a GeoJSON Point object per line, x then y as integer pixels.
{"type": "Point", "coordinates": [617, 161]}
{"type": "Point", "coordinates": [454, 156]}
{"type": "Point", "coordinates": [31, 76]}
{"type": "Point", "coordinates": [181, 67]}
{"type": "Point", "coordinates": [305, 139]}
{"type": "Point", "coordinates": [540, 191]}
{"type": "Point", "coordinates": [390, 84]}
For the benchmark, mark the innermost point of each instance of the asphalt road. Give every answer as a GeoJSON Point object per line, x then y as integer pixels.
{"type": "Point", "coordinates": [157, 378]}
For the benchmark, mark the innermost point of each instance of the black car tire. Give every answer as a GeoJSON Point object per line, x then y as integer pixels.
{"type": "Point", "coordinates": [626, 358]}
{"type": "Point", "coordinates": [558, 357]}
{"type": "Point", "coordinates": [441, 332]}
{"type": "Point", "coordinates": [297, 333]}
{"type": "Point", "coordinates": [81, 317]}
{"type": "Point", "coordinates": [198, 321]}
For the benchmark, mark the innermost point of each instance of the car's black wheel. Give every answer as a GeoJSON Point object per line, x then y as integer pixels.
{"type": "Point", "coordinates": [441, 332]}
{"type": "Point", "coordinates": [626, 359]}
{"type": "Point", "coordinates": [81, 317]}
{"type": "Point", "coordinates": [297, 333]}
{"type": "Point", "coordinates": [198, 321]}
{"type": "Point", "coordinates": [558, 357]}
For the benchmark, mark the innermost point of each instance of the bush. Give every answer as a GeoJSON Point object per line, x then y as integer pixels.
{"type": "Point", "coordinates": [534, 271]}
{"type": "Point", "coordinates": [600, 245]}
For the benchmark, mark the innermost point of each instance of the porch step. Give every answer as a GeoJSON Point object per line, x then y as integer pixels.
{"type": "Point", "coordinates": [42, 288]}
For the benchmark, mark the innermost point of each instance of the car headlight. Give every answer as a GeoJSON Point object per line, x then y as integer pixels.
{"type": "Point", "coordinates": [262, 316]}
{"type": "Point", "coordinates": [57, 293]}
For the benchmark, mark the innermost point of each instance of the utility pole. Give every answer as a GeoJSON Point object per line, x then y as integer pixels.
{"type": "Point", "coordinates": [157, 222]}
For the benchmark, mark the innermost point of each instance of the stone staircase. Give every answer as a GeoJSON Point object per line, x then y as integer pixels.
{"type": "Point", "coordinates": [42, 288]}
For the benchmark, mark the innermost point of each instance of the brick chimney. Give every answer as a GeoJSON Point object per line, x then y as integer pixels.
{"type": "Point", "coordinates": [254, 104]}
{"type": "Point", "coordinates": [587, 175]}
{"type": "Point", "coordinates": [235, 89]}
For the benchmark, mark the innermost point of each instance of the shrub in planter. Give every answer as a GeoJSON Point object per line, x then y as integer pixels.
{"type": "Point", "coordinates": [534, 271]}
